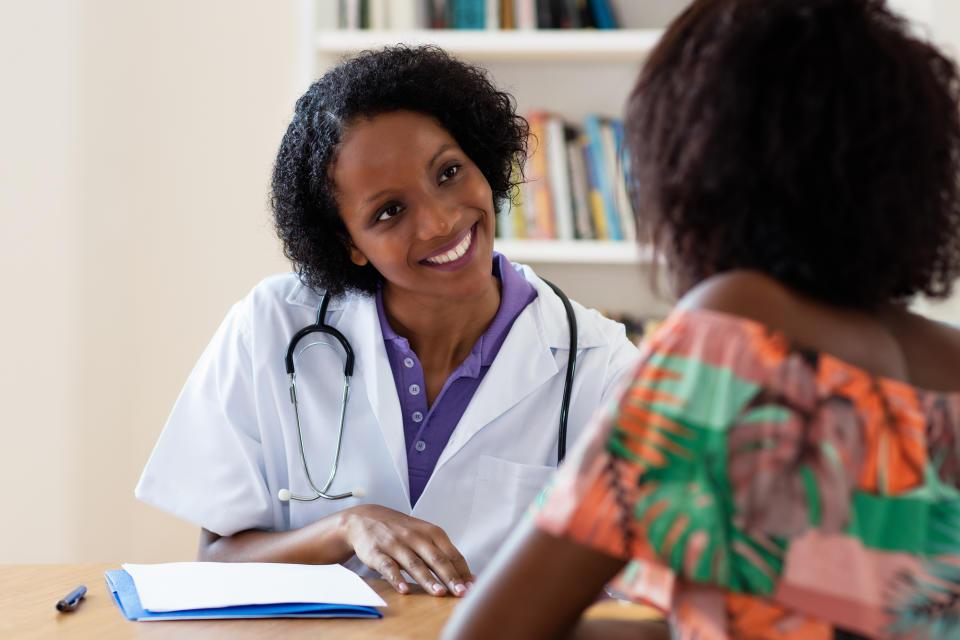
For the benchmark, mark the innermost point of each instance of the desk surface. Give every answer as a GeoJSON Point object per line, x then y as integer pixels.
{"type": "Point", "coordinates": [28, 593]}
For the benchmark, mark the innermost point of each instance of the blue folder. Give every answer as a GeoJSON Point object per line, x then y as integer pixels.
{"type": "Point", "coordinates": [125, 593]}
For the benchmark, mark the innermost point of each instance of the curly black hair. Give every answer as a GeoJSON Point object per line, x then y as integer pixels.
{"type": "Point", "coordinates": [816, 141]}
{"type": "Point", "coordinates": [461, 97]}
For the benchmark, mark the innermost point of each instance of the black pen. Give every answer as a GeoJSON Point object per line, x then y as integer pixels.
{"type": "Point", "coordinates": [72, 599]}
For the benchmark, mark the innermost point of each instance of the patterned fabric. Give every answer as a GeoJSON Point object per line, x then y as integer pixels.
{"type": "Point", "coordinates": [765, 491]}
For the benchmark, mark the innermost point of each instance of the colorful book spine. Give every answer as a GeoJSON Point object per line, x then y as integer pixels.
{"type": "Point", "coordinates": [507, 14]}
{"type": "Point", "coordinates": [594, 199]}
{"type": "Point", "coordinates": [467, 14]}
{"type": "Point", "coordinates": [602, 13]}
{"type": "Point", "coordinates": [538, 179]}
{"type": "Point", "coordinates": [604, 172]}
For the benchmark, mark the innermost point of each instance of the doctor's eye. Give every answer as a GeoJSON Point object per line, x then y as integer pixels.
{"type": "Point", "coordinates": [389, 212]}
{"type": "Point", "coordinates": [449, 172]}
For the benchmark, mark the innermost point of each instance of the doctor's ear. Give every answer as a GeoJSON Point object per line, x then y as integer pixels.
{"type": "Point", "coordinates": [356, 256]}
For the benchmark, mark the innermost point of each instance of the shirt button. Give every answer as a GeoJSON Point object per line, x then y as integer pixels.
{"type": "Point", "coordinates": [414, 389]}
{"type": "Point", "coordinates": [417, 416]}
{"type": "Point", "coordinates": [408, 363]}
{"type": "Point", "coordinates": [420, 446]}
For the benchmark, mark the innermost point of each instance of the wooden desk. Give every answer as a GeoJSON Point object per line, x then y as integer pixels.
{"type": "Point", "coordinates": [28, 593]}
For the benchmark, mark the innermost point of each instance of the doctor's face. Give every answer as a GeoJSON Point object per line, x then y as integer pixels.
{"type": "Point", "coordinates": [416, 206]}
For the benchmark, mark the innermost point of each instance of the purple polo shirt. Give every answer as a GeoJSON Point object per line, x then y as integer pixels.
{"type": "Point", "coordinates": [427, 429]}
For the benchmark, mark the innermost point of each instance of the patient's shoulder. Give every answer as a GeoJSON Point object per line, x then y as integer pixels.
{"type": "Point", "coordinates": [848, 334]}
{"type": "Point", "coordinates": [894, 343]}
{"type": "Point", "coordinates": [749, 294]}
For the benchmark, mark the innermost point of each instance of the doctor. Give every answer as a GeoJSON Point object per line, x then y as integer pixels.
{"type": "Point", "coordinates": [384, 195]}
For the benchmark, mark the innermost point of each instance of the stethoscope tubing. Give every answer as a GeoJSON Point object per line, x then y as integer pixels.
{"type": "Point", "coordinates": [320, 326]}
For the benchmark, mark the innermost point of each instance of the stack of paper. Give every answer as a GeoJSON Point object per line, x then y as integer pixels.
{"type": "Point", "coordinates": [206, 590]}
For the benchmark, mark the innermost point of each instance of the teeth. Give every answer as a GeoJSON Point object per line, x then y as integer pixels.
{"type": "Point", "coordinates": [453, 254]}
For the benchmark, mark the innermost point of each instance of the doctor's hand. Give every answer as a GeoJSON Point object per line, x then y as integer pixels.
{"type": "Point", "coordinates": [389, 541]}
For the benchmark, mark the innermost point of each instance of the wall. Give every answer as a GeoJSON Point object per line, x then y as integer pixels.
{"type": "Point", "coordinates": [136, 158]}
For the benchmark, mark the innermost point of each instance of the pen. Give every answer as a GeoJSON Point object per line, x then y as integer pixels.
{"type": "Point", "coordinates": [72, 599]}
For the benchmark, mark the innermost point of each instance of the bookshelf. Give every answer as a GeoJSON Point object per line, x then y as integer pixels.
{"type": "Point", "coordinates": [494, 45]}
{"type": "Point", "coordinates": [569, 72]}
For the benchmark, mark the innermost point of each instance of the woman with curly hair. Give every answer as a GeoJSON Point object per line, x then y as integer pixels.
{"type": "Point", "coordinates": [384, 193]}
{"type": "Point", "coordinates": [785, 461]}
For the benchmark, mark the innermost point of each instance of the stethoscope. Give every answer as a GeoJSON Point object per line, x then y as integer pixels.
{"type": "Point", "coordinates": [320, 326]}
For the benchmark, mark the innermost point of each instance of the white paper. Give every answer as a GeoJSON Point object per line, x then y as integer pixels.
{"type": "Point", "coordinates": [176, 586]}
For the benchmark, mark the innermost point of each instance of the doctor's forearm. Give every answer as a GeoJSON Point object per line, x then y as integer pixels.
{"type": "Point", "coordinates": [321, 542]}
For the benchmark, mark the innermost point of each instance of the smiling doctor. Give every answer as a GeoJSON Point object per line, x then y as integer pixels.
{"type": "Point", "coordinates": [384, 193]}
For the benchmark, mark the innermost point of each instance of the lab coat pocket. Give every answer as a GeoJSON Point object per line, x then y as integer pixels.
{"type": "Point", "coordinates": [502, 494]}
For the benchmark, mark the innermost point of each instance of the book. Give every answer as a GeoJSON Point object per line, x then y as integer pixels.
{"type": "Point", "coordinates": [628, 220]}
{"type": "Point", "coordinates": [579, 191]}
{"type": "Point", "coordinates": [595, 201]}
{"type": "Point", "coordinates": [349, 14]}
{"type": "Point", "coordinates": [602, 14]}
{"type": "Point", "coordinates": [379, 14]}
{"type": "Point", "coordinates": [438, 14]}
{"type": "Point", "coordinates": [406, 15]}
{"type": "Point", "coordinates": [603, 159]}
{"type": "Point", "coordinates": [544, 14]}
{"type": "Point", "coordinates": [214, 590]}
{"type": "Point", "coordinates": [559, 173]}
{"type": "Point", "coordinates": [618, 194]}
{"type": "Point", "coordinates": [492, 18]}
{"type": "Point", "coordinates": [538, 198]}
{"type": "Point", "coordinates": [517, 213]}
{"type": "Point", "coordinates": [525, 14]}
{"type": "Point", "coordinates": [467, 14]}
{"type": "Point", "coordinates": [507, 14]}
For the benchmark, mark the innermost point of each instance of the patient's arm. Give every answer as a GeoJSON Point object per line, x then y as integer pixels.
{"type": "Point", "coordinates": [537, 587]}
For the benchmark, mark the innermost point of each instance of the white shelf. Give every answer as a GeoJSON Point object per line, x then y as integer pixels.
{"type": "Point", "coordinates": [574, 252]}
{"type": "Point", "coordinates": [553, 44]}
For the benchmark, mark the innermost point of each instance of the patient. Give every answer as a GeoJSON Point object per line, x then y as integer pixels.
{"type": "Point", "coordinates": [784, 461]}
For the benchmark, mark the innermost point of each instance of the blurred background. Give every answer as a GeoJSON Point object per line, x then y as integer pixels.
{"type": "Point", "coordinates": [136, 143]}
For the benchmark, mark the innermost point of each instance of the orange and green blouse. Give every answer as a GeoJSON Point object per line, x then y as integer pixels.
{"type": "Point", "coordinates": [759, 489]}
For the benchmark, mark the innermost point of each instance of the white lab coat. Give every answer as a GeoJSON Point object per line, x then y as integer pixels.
{"type": "Point", "coordinates": [231, 441]}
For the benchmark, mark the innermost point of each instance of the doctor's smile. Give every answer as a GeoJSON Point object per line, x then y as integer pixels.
{"type": "Point", "coordinates": [458, 255]}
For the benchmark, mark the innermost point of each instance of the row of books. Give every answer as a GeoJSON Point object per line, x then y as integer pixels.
{"type": "Point", "coordinates": [467, 14]}
{"type": "Point", "coordinates": [575, 183]}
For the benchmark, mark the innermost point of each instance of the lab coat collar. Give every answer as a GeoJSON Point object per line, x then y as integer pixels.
{"type": "Point", "coordinates": [507, 381]}
{"type": "Point", "coordinates": [542, 325]}
{"type": "Point", "coordinates": [302, 295]}
{"type": "Point", "coordinates": [360, 322]}
{"type": "Point", "coordinates": [552, 318]}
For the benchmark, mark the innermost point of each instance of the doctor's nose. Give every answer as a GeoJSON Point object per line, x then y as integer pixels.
{"type": "Point", "coordinates": [434, 219]}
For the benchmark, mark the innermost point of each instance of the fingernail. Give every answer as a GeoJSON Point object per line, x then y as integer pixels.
{"type": "Point", "coordinates": [437, 587]}
{"type": "Point", "coordinates": [402, 587]}
{"type": "Point", "coordinates": [459, 589]}
{"type": "Point", "coordinates": [469, 585]}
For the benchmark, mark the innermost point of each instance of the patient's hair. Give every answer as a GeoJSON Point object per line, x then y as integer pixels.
{"type": "Point", "coordinates": [482, 119]}
{"type": "Point", "coordinates": [816, 141]}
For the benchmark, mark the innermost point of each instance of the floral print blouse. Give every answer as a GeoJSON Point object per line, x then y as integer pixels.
{"type": "Point", "coordinates": [762, 490]}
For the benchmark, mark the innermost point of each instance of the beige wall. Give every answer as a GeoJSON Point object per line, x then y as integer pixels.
{"type": "Point", "coordinates": [137, 144]}
{"type": "Point", "coordinates": [136, 140]}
